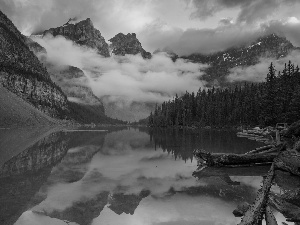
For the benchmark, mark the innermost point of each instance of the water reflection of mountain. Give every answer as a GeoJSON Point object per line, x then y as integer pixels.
{"type": "Point", "coordinates": [74, 176]}
{"type": "Point", "coordinates": [121, 202]}
{"type": "Point", "coordinates": [83, 212]}
{"type": "Point", "coordinates": [182, 143]}
{"type": "Point", "coordinates": [22, 176]}
{"type": "Point", "coordinates": [121, 174]}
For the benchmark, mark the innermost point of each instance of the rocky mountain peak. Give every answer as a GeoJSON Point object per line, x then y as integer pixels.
{"type": "Point", "coordinates": [122, 44]}
{"type": "Point", "coordinates": [168, 51]}
{"type": "Point", "coordinates": [268, 46]}
{"type": "Point", "coordinates": [83, 33]}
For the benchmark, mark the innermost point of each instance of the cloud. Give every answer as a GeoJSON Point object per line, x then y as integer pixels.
{"type": "Point", "coordinates": [111, 17]}
{"type": "Point", "coordinates": [289, 28]}
{"type": "Point", "coordinates": [176, 210]}
{"type": "Point", "coordinates": [226, 21]}
{"type": "Point", "coordinates": [158, 27]}
{"type": "Point", "coordinates": [208, 40]}
{"type": "Point", "coordinates": [120, 165]}
{"type": "Point", "coordinates": [130, 78]}
{"type": "Point", "coordinates": [198, 40]}
{"type": "Point", "coordinates": [258, 72]}
{"type": "Point", "coordinates": [249, 10]}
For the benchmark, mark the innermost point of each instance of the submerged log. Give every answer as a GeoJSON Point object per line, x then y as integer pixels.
{"type": "Point", "coordinates": [256, 170]}
{"type": "Point", "coordinates": [255, 213]}
{"type": "Point", "coordinates": [212, 159]}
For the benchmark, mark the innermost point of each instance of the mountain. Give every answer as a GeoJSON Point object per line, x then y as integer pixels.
{"type": "Point", "coordinates": [41, 159]}
{"type": "Point", "coordinates": [72, 80]}
{"type": "Point", "coordinates": [22, 73]}
{"type": "Point", "coordinates": [83, 33]}
{"type": "Point", "coordinates": [74, 84]}
{"type": "Point", "coordinates": [220, 63]}
{"type": "Point", "coordinates": [122, 44]}
{"type": "Point", "coordinates": [168, 51]}
{"type": "Point", "coordinates": [29, 95]}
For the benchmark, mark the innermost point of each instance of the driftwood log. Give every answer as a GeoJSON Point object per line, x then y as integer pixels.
{"type": "Point", "coordinates": [261, 149]}
{"type": "Point", "coordinates": [254, 214]}
{"type": "Point", "coordinates": [212, 159]}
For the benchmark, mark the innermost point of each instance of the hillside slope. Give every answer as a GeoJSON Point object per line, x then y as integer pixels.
{"type": "Point", "coordinates": [15, 110]}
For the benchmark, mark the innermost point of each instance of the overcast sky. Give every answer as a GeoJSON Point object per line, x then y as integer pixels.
{"type": "Point", "coordinates": [186, 26]}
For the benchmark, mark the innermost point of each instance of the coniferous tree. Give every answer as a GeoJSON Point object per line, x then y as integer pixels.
{"type": "Point", "coordinates": [275, 100]}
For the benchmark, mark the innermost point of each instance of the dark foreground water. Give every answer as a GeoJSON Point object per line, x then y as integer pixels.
{"type": "Point", "coordinates": [120, 176]}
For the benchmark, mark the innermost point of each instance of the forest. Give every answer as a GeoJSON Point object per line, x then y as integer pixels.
{"type": "Point", "coordinates": [267, 103]}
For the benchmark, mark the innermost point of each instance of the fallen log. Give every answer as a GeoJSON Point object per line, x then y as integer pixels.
{"type": "Point", "coordinates": [261, 149]}
{"type": "Point", "coordinates": [254, 214]}
{"type": "Point", "coordinates": [212, 159]}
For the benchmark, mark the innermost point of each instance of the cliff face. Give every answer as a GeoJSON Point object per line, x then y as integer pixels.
{"type": "Point", "coordinates": [73, 82]}
{"type": "Point", "coordinates": [82, 33]}
{"type": "Point", "coordinates": [122, 44]}
{"type": "Point", "coordinates": [23, 74]}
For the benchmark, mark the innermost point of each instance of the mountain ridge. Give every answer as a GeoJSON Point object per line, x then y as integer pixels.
{"type": "Point", "coordinates": [26, 81]}
{"type": "Point", "coordinates": [83, 33]}
{"type": "Point", "coordinates": [220, 63]}
{"type": "Point", "coordinates": [122, 44]}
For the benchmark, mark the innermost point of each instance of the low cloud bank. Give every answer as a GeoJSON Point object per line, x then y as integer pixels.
{"type": "Point", "coordinates": [258, 72]}
{"type": "Point", "coordinates": [127, 78]}
{"type": "Point", "coordinates": [228, 34]}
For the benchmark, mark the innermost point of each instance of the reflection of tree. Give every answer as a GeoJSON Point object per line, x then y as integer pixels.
{"type": "Point", "coordinates": [182, 143]}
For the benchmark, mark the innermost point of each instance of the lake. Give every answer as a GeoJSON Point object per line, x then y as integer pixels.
{"type": "Point", "coordinates": [120, 176]}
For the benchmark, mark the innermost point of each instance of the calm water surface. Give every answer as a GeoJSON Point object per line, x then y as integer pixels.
{"type": "Point", "coordinates": [121, 176]}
